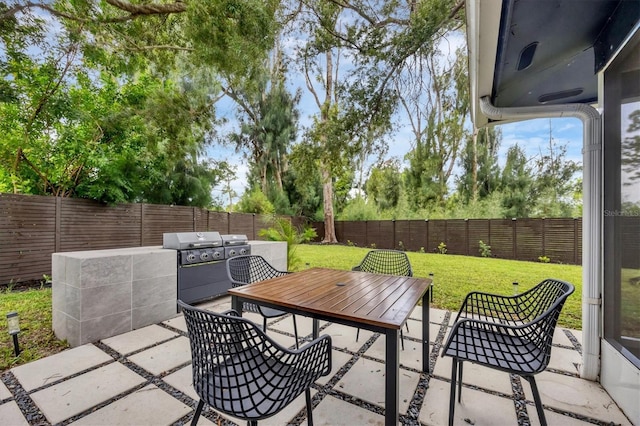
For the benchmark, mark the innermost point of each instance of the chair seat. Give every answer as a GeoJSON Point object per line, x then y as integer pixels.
{"type": "Point", "coordinates": [501, 351]}
{"type": "Point", "coordinates": [257, 394]}
{"type": "Point", "coordinates": [270, 312]}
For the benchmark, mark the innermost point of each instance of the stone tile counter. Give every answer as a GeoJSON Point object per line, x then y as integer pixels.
{"type": "Point", "coordinates": [103, 293]}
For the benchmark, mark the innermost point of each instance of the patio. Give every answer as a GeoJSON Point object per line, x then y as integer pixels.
{"type": "Point", "coordinates": [144, 377]}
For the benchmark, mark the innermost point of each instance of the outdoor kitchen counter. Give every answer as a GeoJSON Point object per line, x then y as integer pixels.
{"type": "Point", "coordinates": [103, 293]}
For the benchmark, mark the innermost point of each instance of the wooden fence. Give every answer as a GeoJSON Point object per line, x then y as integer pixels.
{"type": "Point", "coordinates": [33, 227]}
{"type": "Point", "coordinates": [524, 239]}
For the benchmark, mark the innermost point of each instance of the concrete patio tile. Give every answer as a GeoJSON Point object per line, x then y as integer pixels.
{"type": "Point", "coordinates": [164, 357]}
{"type": "Point", "coordinates": [567, 360]}
{"type": "Point", "coordinates": [577, 396]}
{"type": "Point", "coordinates": [304, 324]}
{"type": "Point", "coordinates": [286, 341]}
{"type": "Point", "coordinates": [219, 304]}
{"type": "Point", "coordinates": [4, 392]}
{"type": "Point", "coordinates": [178, 323]}
{"type": "Point", "coordinates": [182, 380]}
{"type": "Point", "coordinates": [553, 418]}
{"type": "Point", "coordinates": [138, 339]}
{"type": "Point", "coordinates": [560, 338]}
{"type": "Point", "coordinates": [335, 412]}
{"type": "Point", "coordinates": [344, 337]}
{"type": "Point", "coordinates": [477, 407]}
{"type": "Point", "coordinates": [63, 364]}
{"type": "Point", "coordinates": [415, 330]}
{"type": "Point", "coordinates": [476, 375]}
{"type": "Point", "coordinates": [284, 417]}
{"type": "Point", "coordinates": [411, 356]}
{"type": "Point", "coordinates": [76, 395]}
{"type": "Point", "coordinates": [366, 379]}
{"type": "Point", "coordinates": [11, 415]}
{"type": "Point", "coordinates": [338, 359]}
{"type": "Point", "coordinates": [285, 324]}
{"type": "Point", "coordinates": [436, 316]}
{"type": "Point", "coordinates": [147, 406]}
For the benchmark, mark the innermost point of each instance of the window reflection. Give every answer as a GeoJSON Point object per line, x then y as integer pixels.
{"type": "Point", "coordinates": [629, 226]}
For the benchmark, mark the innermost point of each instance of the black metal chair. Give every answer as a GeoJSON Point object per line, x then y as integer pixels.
{"type": "Point", "coordinates": [240, 371]}
{"type": "Point", "coordinates": [508, 333]}
{"type": "Point", "coordinates": [389, 262]}
{"type": "Point", "coordinates": [249, 269]}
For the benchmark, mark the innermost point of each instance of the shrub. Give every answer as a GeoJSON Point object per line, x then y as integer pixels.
{"type": "Point", "coordinates": [442, 248]}
{"type": "Point", "coordinates": [485, 249]}
{"type": "Point", "coordinates": [283, 230]}
{"type": "Point", "coordinates": [544, 259]}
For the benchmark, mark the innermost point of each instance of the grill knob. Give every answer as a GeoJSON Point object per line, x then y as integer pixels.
{"type": "Point", "coordinates": [243, 251]}
{"type": "Point", "coordinates": [204, 256]}
{"type": "Point", "coordinates": [232, 252]}
{"type": "Point", "coordinates": [216, 255]}
{"type": "Point", "coordinates": [191, 257]}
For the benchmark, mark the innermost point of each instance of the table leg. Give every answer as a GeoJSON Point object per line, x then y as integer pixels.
{"type": "Point", "coordinates": [316, 328]}
{"type": "Point", "coordinates": [425, 333]}
{"type": "Point", "coordinates": [392, 380]}
{"type": "Point", "coordinates": [236, 304]}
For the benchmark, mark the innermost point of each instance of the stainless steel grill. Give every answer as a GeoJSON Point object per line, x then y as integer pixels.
{"type": "Point", "coordinates": [201, 262]}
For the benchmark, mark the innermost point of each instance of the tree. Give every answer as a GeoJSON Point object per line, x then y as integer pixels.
{"type": "Point", "coordinates": [118, 103]}
{"type": "Point", "coordinates": [384, 184]}
{"type": "Point", "coordinates": [268, 126]}
{"type": "Point", "coordinates": [438, 123]}
{"type": "Point", "coordinates": [555, 180]}
{"type": "Point", "coordinates": [631, 148]}
{"type": "Point", "coordinates": [517, 181]}
{"type": "Point", "coordinates": [480, 171]}
{"type": "Point", "coordinates": [355, 102]}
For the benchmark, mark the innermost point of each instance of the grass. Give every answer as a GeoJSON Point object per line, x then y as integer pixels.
{"type": "Point", "coordinates": [454, 277]}
{"type": "Point", "coordinates": [36, 336]}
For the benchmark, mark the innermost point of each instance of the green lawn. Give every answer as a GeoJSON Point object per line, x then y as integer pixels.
{"type": "Point", "coordinates": [454, 277]}
{"type": "Point", "coordinates": [36, 336]}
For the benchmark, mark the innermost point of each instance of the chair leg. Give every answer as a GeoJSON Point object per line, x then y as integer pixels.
{"type": "Point", "coordinates": [264, 324]}
{"type": "Point", "coordinates": [252, 423]}
{"type": "Point", "coordinates": [307, 396]}
{"type": "Point", "coordinates": [196, 416]}
{"type": "Point", "coordinates": [537, 400]}
{"type": "Point", "coordinates": [452, 394]}
{"type": "Point", "coordinates": [459, 381]}
{"type": "Point", "coordinates": [295, 330]}
{"type": "Point", "coordinates": [401, 339]}
{"type": "Point", "coordinates": [357, 335]}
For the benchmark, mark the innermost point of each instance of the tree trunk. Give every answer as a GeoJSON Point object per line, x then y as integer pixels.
{"type": "Point", "coordinates": [327, 195]}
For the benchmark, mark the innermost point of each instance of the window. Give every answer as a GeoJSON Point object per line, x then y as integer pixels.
{"type": "Point", "coordinates": [622, 202]}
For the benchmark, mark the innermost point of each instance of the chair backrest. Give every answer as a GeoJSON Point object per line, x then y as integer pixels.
{"type": "Point", "coordinates": [541, 298]}
{"type": "Point", "coordinates": [543, 305]}
{"type": "Point", "coordinates": [249, 269]}
{"type": "Point", "coordinates": [391, 262]}
{"type": "Point", "coordinates": [236, 367]}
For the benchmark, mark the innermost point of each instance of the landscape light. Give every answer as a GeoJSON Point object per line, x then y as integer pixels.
{"type": "Point", "coordinates": [13, 322]}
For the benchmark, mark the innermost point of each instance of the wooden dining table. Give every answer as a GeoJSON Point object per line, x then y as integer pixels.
{"type": "Point", "coordinates": [375, 302]}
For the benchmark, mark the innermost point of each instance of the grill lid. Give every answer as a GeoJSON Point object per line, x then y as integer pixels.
{"type": "Point", "coordinates": [190, 240]}
{"type": "Point", "coordinates": [235, 239]}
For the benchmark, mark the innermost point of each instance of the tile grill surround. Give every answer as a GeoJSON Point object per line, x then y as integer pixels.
{"type": "Point", "coordinates": [98, 294]}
